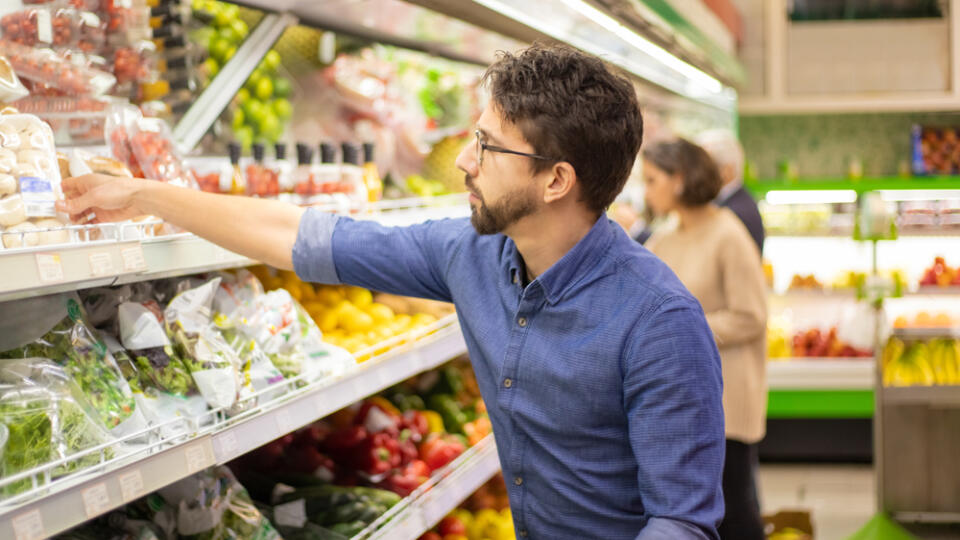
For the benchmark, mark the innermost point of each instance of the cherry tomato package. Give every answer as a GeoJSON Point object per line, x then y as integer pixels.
{"type": "Point", "coordinates": [47, 67]}
{"type": "Point", "coordinates": [57, 26]}
{"type": "Point", "coordinates": [152, 144]}
{"type": "Point", "coordinates": [120, 123]}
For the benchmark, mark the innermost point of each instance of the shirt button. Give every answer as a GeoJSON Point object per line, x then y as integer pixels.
{"type": "Point", "coordinates": [507, 383]}
{"type": "Point", "coordinates": [518, 480]}
{"type": "Point", "coordinates": [522, 321]}
{"type": "Point", "coordinates": [523, 533]}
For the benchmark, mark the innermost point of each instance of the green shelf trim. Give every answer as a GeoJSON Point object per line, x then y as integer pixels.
{"type": "Point", "coordinates": [820, 404]}
{"type": "Point", "coordinates": [723, 62]}
{"type": "Point", "coordinates": [760, 188]}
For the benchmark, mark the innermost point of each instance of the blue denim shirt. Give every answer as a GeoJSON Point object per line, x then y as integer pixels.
{"type": "Point", "coordinates": [601, 376]}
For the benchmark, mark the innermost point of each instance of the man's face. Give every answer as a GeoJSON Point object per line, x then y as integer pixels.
{"type": "Point", "coordinates": [502, 189]}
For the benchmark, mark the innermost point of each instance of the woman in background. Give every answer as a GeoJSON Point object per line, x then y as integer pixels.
{"type": "Point", "coordinates": [715, 257]}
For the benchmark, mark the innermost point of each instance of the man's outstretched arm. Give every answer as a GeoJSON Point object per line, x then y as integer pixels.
{"type": "Point", "coordinates": [261, 229]}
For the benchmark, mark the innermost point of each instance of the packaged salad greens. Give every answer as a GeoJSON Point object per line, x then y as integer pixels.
{"type": "Point", "coordinates": [55, 327]}
{"type": "Point", "coordinates": [212, 505]}
{"type": "Point", "coordinates": [46, 417]}
{"type": "Point", "coordinates": [143, 336]}
{"type": "Point", "coordinates": [291, 339]}
{"type": "Point", "coordinates": [207, 356]}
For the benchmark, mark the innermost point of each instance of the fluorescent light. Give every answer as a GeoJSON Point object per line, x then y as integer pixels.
{"type": "Point", "coordinates": [645, 45]}
{"type": "Point", "coordinates": [825, 196]}
{"type": "Point", "coordinates": [894, 195]}
{"type": "Point", "coordinates": [654, 64]}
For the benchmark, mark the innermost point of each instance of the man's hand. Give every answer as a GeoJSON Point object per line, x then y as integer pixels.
{"type": "Point", "coordinates": [100, 198]}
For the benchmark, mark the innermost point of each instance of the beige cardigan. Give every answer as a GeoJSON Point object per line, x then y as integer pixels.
{"type": "Point", "coordinates": [720, 265]}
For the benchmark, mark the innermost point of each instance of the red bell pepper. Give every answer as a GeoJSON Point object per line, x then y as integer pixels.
{"type": "Point", "coordinates": [439, 450]}
{"type": "Point", "coordinates": [346, 439]}
{"type": "Point", "coordinates": [406, 480]}
{"type": "Point", "coordinates": [377, 454]}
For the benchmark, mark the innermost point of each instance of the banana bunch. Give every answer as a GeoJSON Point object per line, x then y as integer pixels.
{"type": "Point", "coordinates": [936, 362]}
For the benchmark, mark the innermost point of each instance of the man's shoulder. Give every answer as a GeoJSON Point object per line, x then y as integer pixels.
{"type": "Point", "coordinates": [644, 277]}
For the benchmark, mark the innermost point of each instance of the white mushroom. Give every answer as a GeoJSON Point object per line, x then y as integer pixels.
{"type": "Point", "coordinates": [12, 211]}
{"type": "Point", "coordinates": [8, 184]}
{"type": "Point", "coordinates": [8, 161]}
{"type": "Point", "coordinates": [13, 240]}
{"type": "Point", "coordinates": [59, 236]}
{"type": "Point", "coordinates": [9, 136]}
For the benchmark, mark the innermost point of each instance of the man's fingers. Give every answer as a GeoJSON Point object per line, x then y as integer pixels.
{"type": "Point", "coordinates": [76, 205]}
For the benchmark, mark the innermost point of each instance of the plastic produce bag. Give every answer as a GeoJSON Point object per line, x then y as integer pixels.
{"type": "Point", "coordinates": [143, 336]}
{"type": "Point", "coordinates": [54, 327]}
{"type": "Point", "coordinates": [291, 339]}
{"type": "Point", "coordinates": [11, 89]}
{"type": "Point", "coordinates": [152, 144]}
{"type": "Point", "coordinates": [213, 505]}
{"type": "Point", "coordinates": [46, 417]}
{"type": "Point", "coordinates": [208, 357]}
{"type": "Point", "coordinates": [29, 183]}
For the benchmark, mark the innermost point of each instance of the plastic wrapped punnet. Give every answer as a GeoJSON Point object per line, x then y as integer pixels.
{"type": "Point", "coordinates": [29, 183]}
{"type": "Point", "coordinates": [57, 26]}
{"type": "Point", "coordinates": [152, 144]}
{"type": "Point", "coordinates": [10, 86]}
{"type": "Point", "coordinates": [47, 67]}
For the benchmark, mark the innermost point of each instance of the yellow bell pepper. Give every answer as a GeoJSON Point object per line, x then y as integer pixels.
{"type": "Point", "coordinates": [434, 421]}
{"type": "Point", "coordinates": [385, 405]}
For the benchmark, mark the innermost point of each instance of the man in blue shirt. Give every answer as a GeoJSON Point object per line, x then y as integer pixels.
{"type": "Point", "coordinates": [600, 374]}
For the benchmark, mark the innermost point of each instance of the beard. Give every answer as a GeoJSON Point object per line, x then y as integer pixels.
{"type": "Point", "coordinates": [495, 218]}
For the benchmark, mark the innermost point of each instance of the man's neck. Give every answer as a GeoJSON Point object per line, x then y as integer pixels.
{"type": "Point", "coordinates": [544, 239]}
{"type": "Point", "coordinates": [727, 190]}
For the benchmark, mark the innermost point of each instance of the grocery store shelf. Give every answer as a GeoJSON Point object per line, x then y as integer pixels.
{"type": "Point", "coordinates": [439, 496]}
{"type": "Point", "coordinates": [820, 374]}
{"type": "Point", "coordinates": [922, 395]}
{"type": "Point", "coordinates": [74, 499]}
{"type": "Point", "coordinates": [934, 291]}
{"type": "Point", "coordinates": [759, 188]}
{"type": "Point", "coordinates": [926, 333]}
{"type": "Point", "coordinates": [67, 267]}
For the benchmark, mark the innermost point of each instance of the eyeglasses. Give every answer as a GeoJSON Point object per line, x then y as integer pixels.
{"type": "Point", "coordinates": [481, 146]}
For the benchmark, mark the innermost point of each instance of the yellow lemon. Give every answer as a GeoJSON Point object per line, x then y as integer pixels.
{"type": "Point", "coordinates": [360, 297]}
{"type": "Point", "coordinates": [354, 320]}
{"type": "Point", "coordinates": [307, 291]}
{"type": "Point", "coordinates": [328, 320]}
{"type": "Point", "coordinates": [380, 313]}
{"type": "Point", "coordinates": [401, 323]}
{"type": "Point", "coordinates": [330, 296]}
{"type": "Point", "coordinates": [295, 292]}
{"type": "Point", "coordinates": [423, 319]}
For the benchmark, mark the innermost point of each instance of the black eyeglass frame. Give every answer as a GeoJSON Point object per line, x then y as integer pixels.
{"type": "Point", "coordinates": [482, 147]}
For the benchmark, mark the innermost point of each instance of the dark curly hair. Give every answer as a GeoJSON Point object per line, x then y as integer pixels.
{"type": "Point", "coordinates": [570, 106]}
{"type": "Point", "coordinates": [699, 174]}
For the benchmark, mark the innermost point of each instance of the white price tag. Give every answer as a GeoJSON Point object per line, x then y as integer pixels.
{"type": "Point", "coordinates": [49, 267]}
{"type": "Point", "coordinates": [284, 422]}
{"type": "Point", "coordinates": [131, 486]}
{"type": "Point", "coordinates": [44, 26]}
{"type": "Point", "coordinates": [133, 259]}
{"type": "Point", "coordinates": [101, 264]}
{"type": "Point", "coordinates": [96, 500]}
{"type": "Point", "coordinates": [291, 514]}
{"type": "Point", "coordinates": [196, 458]}
{"type": "Point", "coordinates": [228, 444]}
{"type": "Point", "coordinates": [28, 526]}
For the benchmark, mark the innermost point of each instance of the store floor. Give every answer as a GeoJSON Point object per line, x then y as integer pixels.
{"type": "Point", "coordinates": [840, 498]}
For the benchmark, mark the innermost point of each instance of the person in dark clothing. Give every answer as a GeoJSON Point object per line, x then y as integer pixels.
{"type": "Point", "coordinates": [725, 149]}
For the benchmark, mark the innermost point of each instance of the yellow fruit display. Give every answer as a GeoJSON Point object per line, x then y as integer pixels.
{"type": "Point", "coordinates": [349, 317]}
{"type": "Point", "coordinates": [935, 362]}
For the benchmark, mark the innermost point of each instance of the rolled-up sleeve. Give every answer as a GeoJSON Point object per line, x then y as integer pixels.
{"type": "Point", "coordinates": [410, 261]}
{"type": "Point", "coordinates": [672, 395]}
{"type": "Point", "coordinates": [313, 249]}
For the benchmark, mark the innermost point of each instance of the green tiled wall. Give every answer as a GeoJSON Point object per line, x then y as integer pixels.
{"type": "Point", "coordinates": [823, 145]}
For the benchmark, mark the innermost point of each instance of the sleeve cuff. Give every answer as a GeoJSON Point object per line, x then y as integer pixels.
{"type": "Point", "coordinates": [671, 529]}
{"type": "Point", "coordinates": [313, 250]}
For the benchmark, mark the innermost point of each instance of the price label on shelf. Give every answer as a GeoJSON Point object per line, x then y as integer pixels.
{"type": "Point", "coordinates": [49, 268]}
{"type": "Point", "coordinates": [28, 526]}
{"type": "Point", "coordinates": [96, 500]}
{"type": "Point", "coordinates": [196, 458]}
{"type": "Point", "coordinates": [101, 264]}
{"type": "Point", "coordinates": [284, 421]}
{"type": "Point", "coordinates": [131, 485]}
{"type": "Point", "coordinates": [133, 260]}
{"type": "Point", "coordinates": [227, 444]}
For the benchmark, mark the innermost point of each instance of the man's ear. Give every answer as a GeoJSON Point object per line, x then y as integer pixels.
{"type": "Point", "coordinates": [562, 180]}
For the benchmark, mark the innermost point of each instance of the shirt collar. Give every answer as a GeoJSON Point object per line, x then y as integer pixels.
{"type": "Point", "coordinates": [727, 191]}
{"type": "Point", "coordinates": [576, 263]}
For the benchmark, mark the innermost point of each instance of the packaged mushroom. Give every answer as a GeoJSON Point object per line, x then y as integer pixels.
{"type": "Point", "coordinates": [29, 184]}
